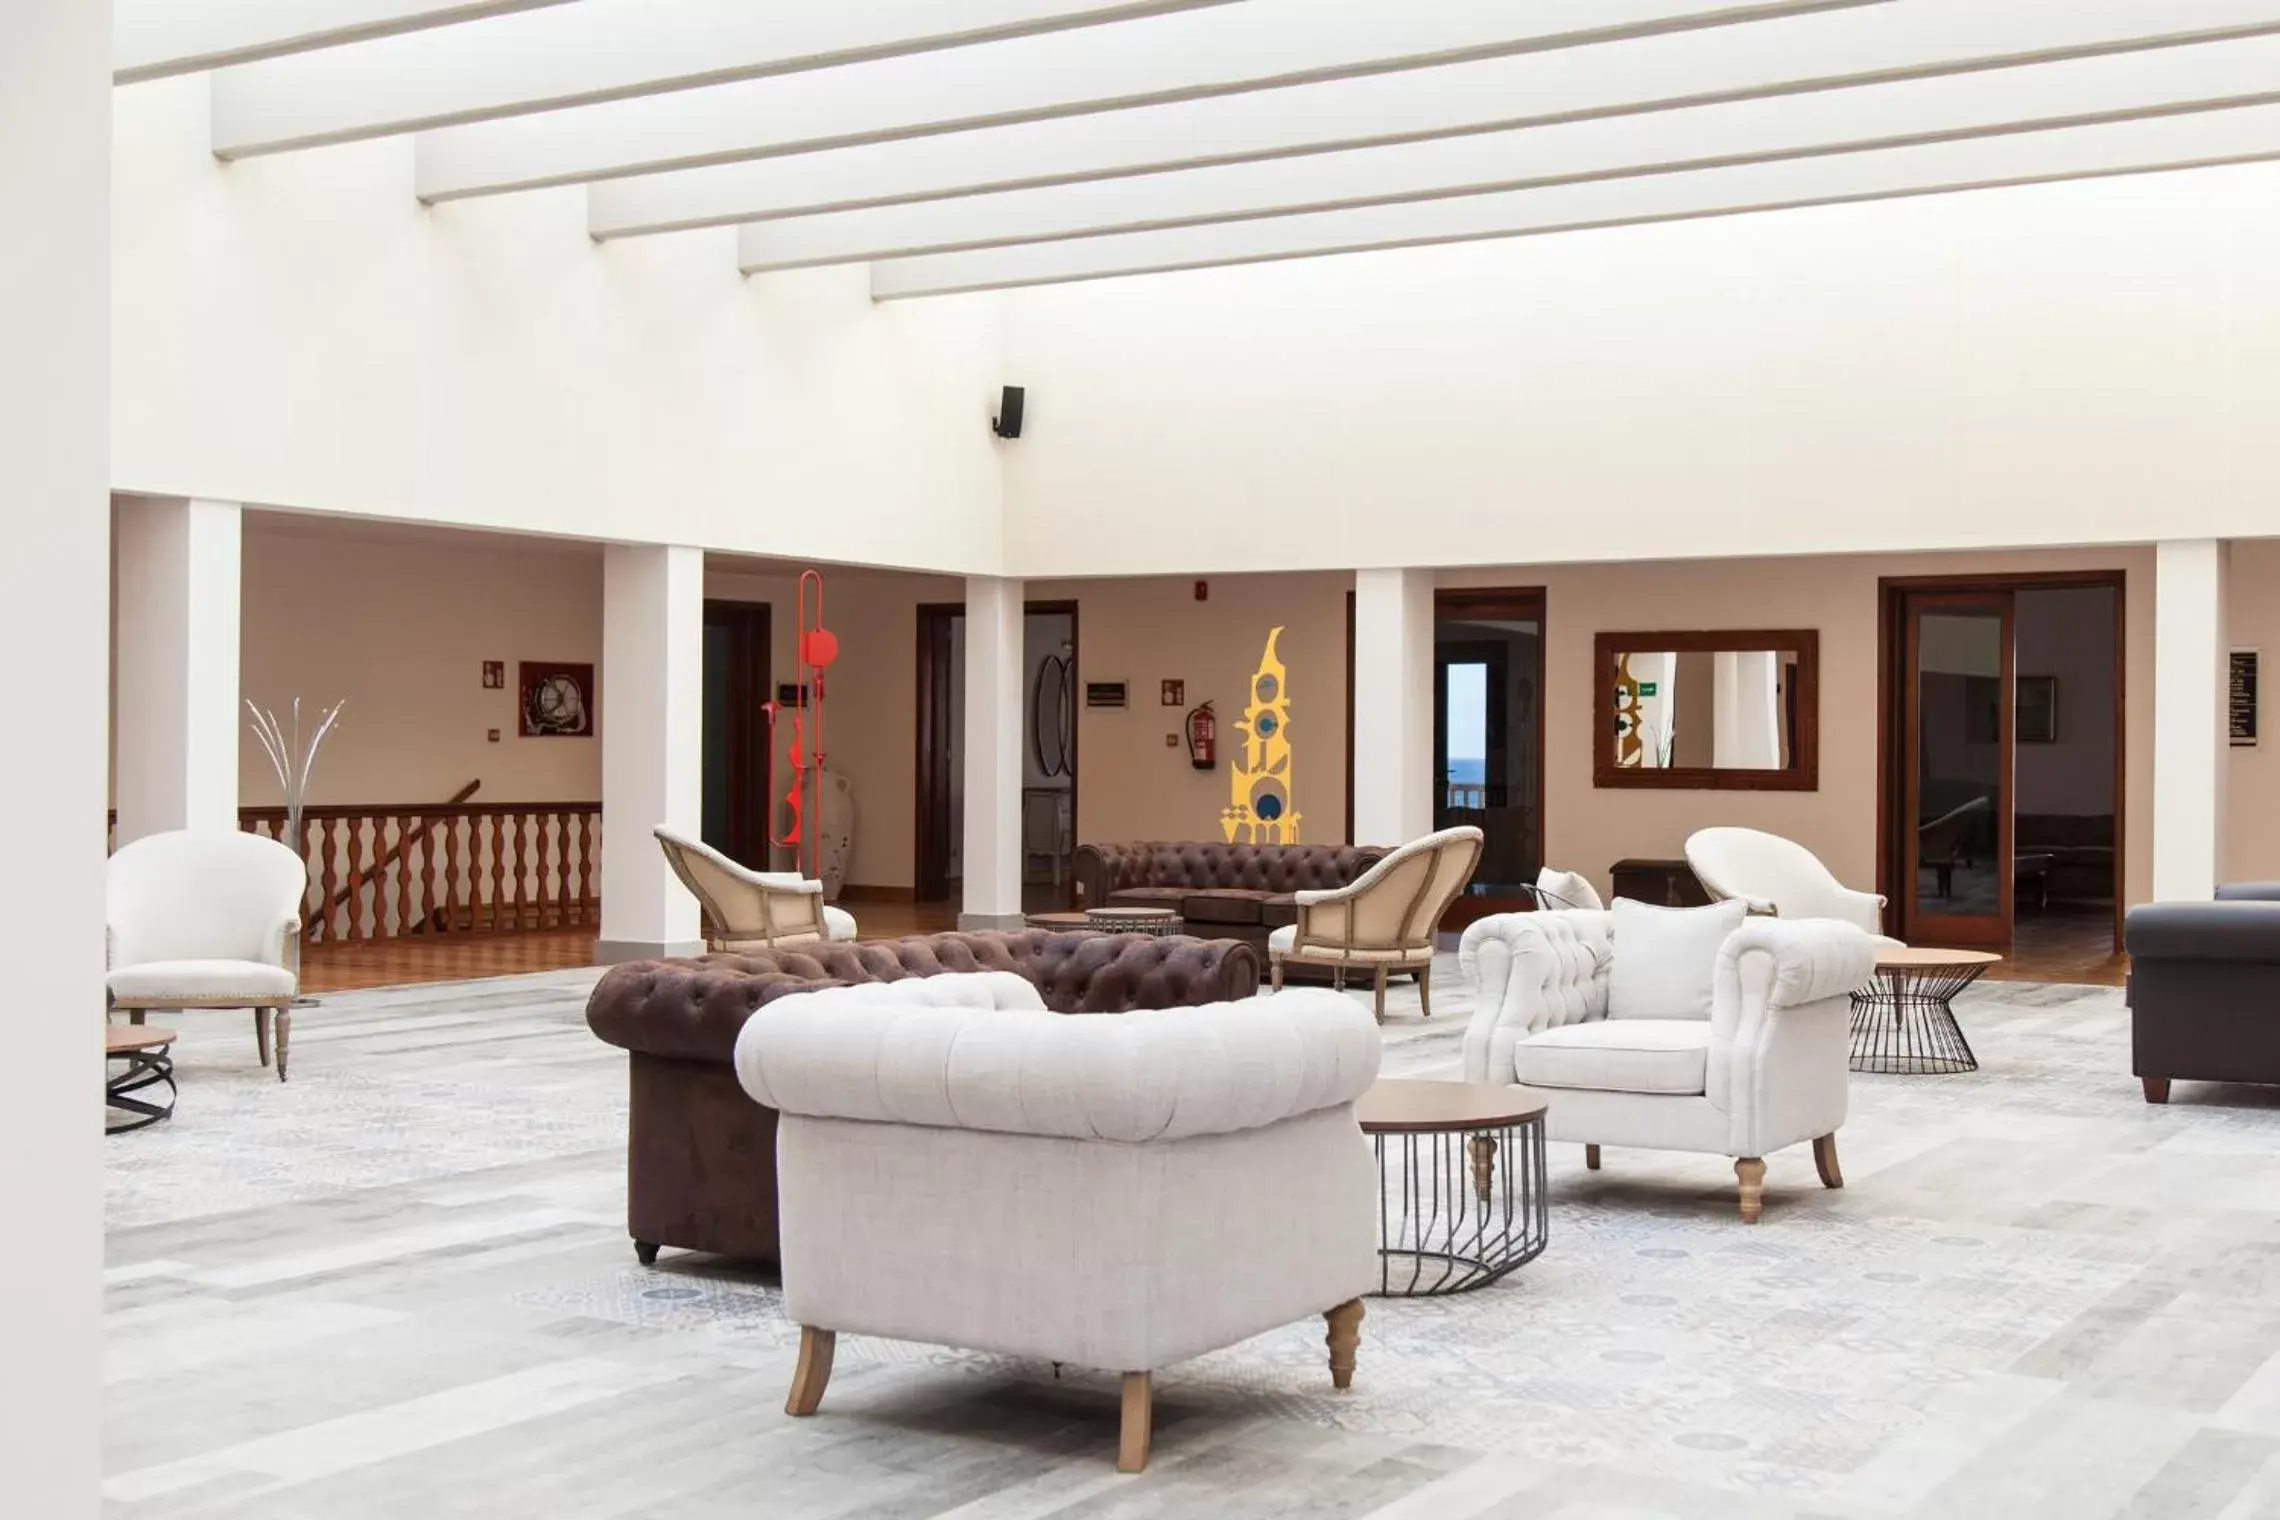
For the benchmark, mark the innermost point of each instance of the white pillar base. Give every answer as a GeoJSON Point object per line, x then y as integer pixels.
{"type": "Point", "coordinates": [651, 714]}
{"type": "Point", "coordinates": [993, 769]}
{"type": "Point", "coordinates": [1393, 706]}
{"type": "Point", "coordinates": [2189, 746]}
{"type": "Point", "coordinates": [179, 722]}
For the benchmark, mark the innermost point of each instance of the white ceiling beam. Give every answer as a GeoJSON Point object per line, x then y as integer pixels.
{"type": "Point", "coordinates": [152, 39]}
{"type": "Point", "coordinates": [2212, 76]}
{"type": "Point", "coordinates": [2250, 134]}
{"type": "Point", "coordinates": [604, 50]}
{"type": "Point", "coordinates": [1923, 39]}
{"type": "Point", "coordinates": [1255, 45]}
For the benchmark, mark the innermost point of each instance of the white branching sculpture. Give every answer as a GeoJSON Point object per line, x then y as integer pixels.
{"type": "Point", "coordinates": [293, 764]}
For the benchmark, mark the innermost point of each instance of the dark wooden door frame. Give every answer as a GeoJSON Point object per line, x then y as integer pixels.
{"type": "Point", "coordinates": [931, 846]}
{"type": "Point", "coordinates": [1891, 632]}
{"type": "Point", "coordinates": [749, 626]}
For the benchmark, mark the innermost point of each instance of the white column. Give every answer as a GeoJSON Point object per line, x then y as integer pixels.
{"type": "Point", "coordinates": [993, 754]}
{"type": "Point", "coordinates": [55, 155]}
{"type": "Point", "coordinates": [651, 714]}
{"type": "Point", "coordinates": [175, 754]}
{"type": "Point", "coordinates": [1393, 705]}
{"type": "Point", "coordinates": [2188, 717]}
{"type": "Point", "coordinates": [1746, 732]}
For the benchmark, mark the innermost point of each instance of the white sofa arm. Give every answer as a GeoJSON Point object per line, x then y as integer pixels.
{"type": "Point", "coordinates": [1530, 972]}
{"type": "Point", "coordinates": [1147, 1075]}
{"type": "Point", "coordinates": [1780, 1028]}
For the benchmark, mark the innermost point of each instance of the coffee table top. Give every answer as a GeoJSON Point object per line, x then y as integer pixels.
{"type": "Point", "coordinates": [1930, 957]}
{"type": "Point", "coordinates": [1410, 1105]}
{"type": "Point", "coordinates": [1057, 921]}
{"type": "Point", "coordinates": [1130, 913]}
{"type": "Point", "coordinates": [122, 1039]}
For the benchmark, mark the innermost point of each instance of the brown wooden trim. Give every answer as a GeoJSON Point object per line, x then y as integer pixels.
{"type": "Point", "coordinates": [1804, 771]}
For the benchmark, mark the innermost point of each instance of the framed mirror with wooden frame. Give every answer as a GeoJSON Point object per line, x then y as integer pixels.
{"type": "Point", "coordinates": [1707, 710]}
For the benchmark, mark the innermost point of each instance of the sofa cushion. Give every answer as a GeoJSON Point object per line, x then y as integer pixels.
{"type": "Point", "coordinates": [1228, 905]}
{"type": "Point", "coordinates": [1618, 1055]}
{"type": "Point", "coordinates": [1149, 897]}
{"type": "Point", "coordinates": [1663, 958]}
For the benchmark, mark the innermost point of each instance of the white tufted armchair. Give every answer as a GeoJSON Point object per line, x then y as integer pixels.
{"type": "Point", "coordinates": [1767, 1068]}
{"type": "Point", "coordinates": [206, 919]}
{"type": "Point", "coordinates": [1780, 877]}
{"type": "Point", "coordinates": [747, 909]}
{"type": "Point", "coordinates": [1119, 1191]}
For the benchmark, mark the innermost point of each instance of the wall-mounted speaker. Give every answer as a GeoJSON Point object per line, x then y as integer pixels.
{"type": "Point", "coordinates": [1007, 423]}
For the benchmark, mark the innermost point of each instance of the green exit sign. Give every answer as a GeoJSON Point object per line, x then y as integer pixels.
{"type": "Point", "coordinates": [1648, 688]}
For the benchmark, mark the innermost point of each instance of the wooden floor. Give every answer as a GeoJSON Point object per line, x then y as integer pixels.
{"type": "Point", "coordinates": [2064, 943]}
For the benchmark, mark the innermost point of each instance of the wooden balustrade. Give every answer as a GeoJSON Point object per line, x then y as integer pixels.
{"type": "Point", "coordinates": [381, 872]}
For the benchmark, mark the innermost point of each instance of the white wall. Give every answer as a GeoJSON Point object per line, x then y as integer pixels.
{"type": "Point", "coordinates": [2060, 364]}
{"type": "Point", "coordinates": [298, 331]}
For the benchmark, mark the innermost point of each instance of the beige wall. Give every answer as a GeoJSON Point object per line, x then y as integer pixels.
{"type": "Point", "coordinates": [400, 627]}
{"type": "Point", "coordinates": [1587, 829]}
{"type": "Point", "coordinates": [2252, 800]}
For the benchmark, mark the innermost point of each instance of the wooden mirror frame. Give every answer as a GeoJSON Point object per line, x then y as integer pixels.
{"type": "Point", "coordinates": [1803, 774]}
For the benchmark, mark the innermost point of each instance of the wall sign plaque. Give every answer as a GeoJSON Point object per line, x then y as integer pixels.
{"type": "Point", "coordinates": [2240, 698]}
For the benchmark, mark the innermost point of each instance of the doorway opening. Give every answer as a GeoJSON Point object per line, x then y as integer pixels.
{"type": "Point", "coordinates": [1048, 815]}
{"type": "Point", "coordinates": [736, 806]}
{"type": "Point", "coordinates": [2004, 768]}
{"type": "Point", "coordinates": [1488, 740]}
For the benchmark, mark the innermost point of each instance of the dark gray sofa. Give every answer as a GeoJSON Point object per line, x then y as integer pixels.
{"type": "Point", "coordinates": [2204, 989]}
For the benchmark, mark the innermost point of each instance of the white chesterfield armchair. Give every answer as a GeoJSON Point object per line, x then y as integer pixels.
{"type": "Point", "coordinates": [1121, 1191]}
{"type": "Point", "coordinates": [1780, 877]}
{"type": "Point", "coordinates": [1761, 1063]}
{"type": "Point", "coordinates": [206, 919]}
{"type": "Point", "coordinates": [744, 909]}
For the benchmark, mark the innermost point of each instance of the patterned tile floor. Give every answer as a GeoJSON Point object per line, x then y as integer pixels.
{"type": "Point", "coordinates": [400, 1286]}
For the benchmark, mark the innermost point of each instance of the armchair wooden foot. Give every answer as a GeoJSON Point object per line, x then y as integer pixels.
{"type": "Point", "coordinates": [261, 1034]}
{"type": "Point", "coordinates": [1275, 972]}
{"type": "Point", "coordinates": [1139, 1422]}
{"type": "Point", "coordinates": [1425, 988]}
{"type": "Point", "coordinates": [1750, 1172]}
{"type": "Point", "coordinates": [1345, 1335]}
{"type": "Point", "coordinates": [1483, 1148]}
{"type": "Point", "coordinates": [2156, 1089]}
{"type": "Point", "coordinates": [1591, 1158]}
{"type": "Point", "coordinates": [1381, 994]}
{"type": "Point", "coordinates": [813, 1372]}
{"type": "Point", "coordinates": [284, 1028]}
{"type": "Point", "coordinates": [1825, 1161]}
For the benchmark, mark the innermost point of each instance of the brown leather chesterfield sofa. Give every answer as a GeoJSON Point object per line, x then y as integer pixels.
{"type": "Point", "coordinates": [1243, 891]}
{"type": "Point", "coordinates": [701, 1158]}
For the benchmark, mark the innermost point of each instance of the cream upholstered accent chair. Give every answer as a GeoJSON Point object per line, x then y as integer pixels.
{"type": "Point", "coordinates": [1719, 1033]}
{"type": "Point", "coordinates": [1121, 1191]}
{"type": "Point", "coordinates": [1556, 889]}
{"type": "Point", "coordinates": [1385, 919]}
{"type": "Point", "coordinates": [205, 918]}
{"type": "Point", "coordinates": [746, 909]}
{"type": "Point", "coordinates": [1780, 877]}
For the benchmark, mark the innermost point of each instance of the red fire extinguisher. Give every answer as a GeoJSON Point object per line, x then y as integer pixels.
{"type": "Point", "coordinates": [1202, 731]}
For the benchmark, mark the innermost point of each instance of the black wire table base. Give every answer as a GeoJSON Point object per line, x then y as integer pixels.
{"type": "Point", "coordinates": [145, 1069]}
{"type": "Point", "coordinates": [1460, 1207]}
{"type": "Point", "coordinates": [1903, 1023]}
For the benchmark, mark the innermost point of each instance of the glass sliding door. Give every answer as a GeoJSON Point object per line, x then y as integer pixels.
{"type": "Point", "coordinates": [1488, 680]}
{"type": "Point", "coordinates": [1957, 731]}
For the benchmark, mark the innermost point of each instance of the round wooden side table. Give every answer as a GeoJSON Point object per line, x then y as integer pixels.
{"type": "Point", "coordinates": [1463, 1198]}
{"type": "Point", "coordinates": [1904, 1021]}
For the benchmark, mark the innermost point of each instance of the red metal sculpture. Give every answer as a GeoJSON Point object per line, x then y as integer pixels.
{"type": "Point", "coordinates": [818, 647]}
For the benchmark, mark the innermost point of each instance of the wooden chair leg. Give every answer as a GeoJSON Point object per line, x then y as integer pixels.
{"type": "Point", "coordinates": [1825, 1161]}
{"type": "Point", "coordinates": [812, 1372]}
{"type": "Point", "coordinates": [1338, 978]}
{"type": "Point", "coordinates": [2156, 1088]}
{"type": "Point", "coordinates": [261, 1033]}
{"type": "Point", "coordinates": [1425, 988]}
{"type": "Point", "coordinates": [1381, 994]}
{"type": "Point", "coordinates": [1139, 1423]}
{"type": "Point", "coordinates": [1591, 1158]}
{"type": "Point", "coordinates": [284, 1038]}
{"type": "Point", "coordinates": [1275, 971]}
{"type": "Point", "coordinates": [1345, 1335]}
{"type": "Point", "coordinates": [136, 1015]}
{"type": "Point", "coordinates": [1750, 1172]}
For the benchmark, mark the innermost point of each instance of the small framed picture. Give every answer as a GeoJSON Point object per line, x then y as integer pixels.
{"type": "Point", "coordinates": [557, 700]}
{"type": "Point", "coordinates": [2038, 710]}
{"type": "Point", "coordinates": [494, 675]}
{"type": "Point", "coordinates": [1175, 693]}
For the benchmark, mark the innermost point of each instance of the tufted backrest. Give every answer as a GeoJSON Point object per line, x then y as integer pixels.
{"type": "Point", "coordinates": [741, 905]}
{"type": "Point", "coordinates": [203, 894]}
{"type": "Point", "coordinates": [1102, 869]}
{"type": "Point", "coordinates": [1532, 972]}
{"type": "Point", "coordinates": [692, 1009]}
{"type": "Point", "coordinates": [1152, 1075]}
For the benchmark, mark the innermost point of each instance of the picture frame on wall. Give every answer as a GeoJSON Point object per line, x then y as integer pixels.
{"type": "Point", "coordinates": [1175, 693]}
{"type": "Point", "coordinates": [556, 700]}
{"type": "Point", "coordinates": [494, 675]}
{"type": "Point", "coordinates": [2036, 719]}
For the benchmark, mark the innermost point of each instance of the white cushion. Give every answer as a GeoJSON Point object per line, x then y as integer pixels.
{"type": "Point", "coordinates": [1572, 888]}
{"type": "Point", "coordinates": [1281, 941]}
{"type": "Point", "coordinates": [838, 923]}
{"type": "Point", "coordinates": [226, 984]}
{"type": "Point", "coordinates": [1628, 1055]}
{"type": "Point", "coordinates": [1664, 958]}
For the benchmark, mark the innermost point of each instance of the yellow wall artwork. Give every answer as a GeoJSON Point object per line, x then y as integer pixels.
{"type": "Point", "coordinates": [1260, 810]}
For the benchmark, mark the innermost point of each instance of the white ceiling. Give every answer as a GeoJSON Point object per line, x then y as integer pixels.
{"type": "Point", "coordinates": [973, 144]}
